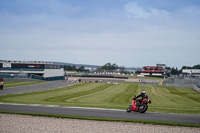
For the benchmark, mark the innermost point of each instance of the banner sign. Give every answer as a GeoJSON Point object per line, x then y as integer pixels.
{"type": "Point", "coordinates": [6, 64]}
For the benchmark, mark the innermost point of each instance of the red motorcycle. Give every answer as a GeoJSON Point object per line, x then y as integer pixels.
{"type": "Point", "coordinates": [142, 107]}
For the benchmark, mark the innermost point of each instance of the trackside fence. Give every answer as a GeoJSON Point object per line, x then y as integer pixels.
{"type": "Point", "coordinates": [150, 81]}
{"type": "Point", "coordinates": [182, 82]}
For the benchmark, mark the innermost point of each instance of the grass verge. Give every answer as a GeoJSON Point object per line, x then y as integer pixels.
{"type": "Point", "coordinates": [113, 96]}
{"type": "Point", "coordinates": [106, 119]}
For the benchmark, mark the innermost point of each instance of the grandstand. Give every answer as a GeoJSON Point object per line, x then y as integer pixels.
{"type": "Point", "coordinates": [160, 70]}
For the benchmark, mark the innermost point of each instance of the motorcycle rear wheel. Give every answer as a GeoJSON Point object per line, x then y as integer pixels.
{"type": "Point", "coordinates": [143, 108]}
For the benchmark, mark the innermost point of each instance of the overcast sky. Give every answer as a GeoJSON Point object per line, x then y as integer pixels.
{"type": "Point", "coordinates": [130, 33]}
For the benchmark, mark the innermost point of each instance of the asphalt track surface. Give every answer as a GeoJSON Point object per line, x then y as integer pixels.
{"type": "Point", "coordinates": [35, 87]}
{"type": "Point", "coordinates": [89, 112]}
{"type": "Point", "coordinates": [102, 113]}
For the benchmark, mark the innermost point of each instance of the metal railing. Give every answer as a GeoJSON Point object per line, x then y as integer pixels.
{"type": "Point", "coordinates": [196, 88]}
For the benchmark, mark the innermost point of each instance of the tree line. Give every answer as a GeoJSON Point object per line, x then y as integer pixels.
{"type": "Point", "coordinates": [106, 67]}
{"type": "Point", "coordinates": [74, 68]}
{"type": "Point", "coordinates": [111, 67]}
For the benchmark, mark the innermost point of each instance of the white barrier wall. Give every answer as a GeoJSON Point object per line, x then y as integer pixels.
{"type": "Point", "coordinates": [191, 71]}
{"type": "Point", "coordinates": [53, 72]}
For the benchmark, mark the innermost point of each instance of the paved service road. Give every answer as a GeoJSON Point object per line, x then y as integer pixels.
{"type": "Point", "coordinates": [35, 87]}
{"type": "Point", "coordinates": [104, 113]}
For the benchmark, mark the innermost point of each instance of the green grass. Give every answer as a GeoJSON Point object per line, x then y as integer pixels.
{"type": "Point", "coordinates": [173, 100]}
{"type": "Point", "coordinates": [21, 83]}
{"type": "Point", "coordinates": [114, 96]}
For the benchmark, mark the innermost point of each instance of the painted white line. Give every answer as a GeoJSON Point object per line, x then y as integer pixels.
{"type": "Point", "coordinates": [34, 84]}
{"type": "Point", "coordinates": [59, 87]}
{"type": "Point", "coordinates": [30, 85]}
{"type": "Point", "coordinates": [94, 108]}
{"type": "Point", "coordinates": [36, 91]}
{"type": "Point", "coordinates": [54, 106]}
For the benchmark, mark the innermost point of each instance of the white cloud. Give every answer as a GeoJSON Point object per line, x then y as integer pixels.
{"type": "Point", "coordinates": [192, 10]}
{"type": "Point", "coordinates": [134, 10]}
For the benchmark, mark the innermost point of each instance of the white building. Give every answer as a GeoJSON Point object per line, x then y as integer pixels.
{"type": "Point", "coordinates": [191, 72]}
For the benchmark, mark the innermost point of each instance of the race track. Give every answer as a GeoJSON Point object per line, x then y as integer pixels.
{"type": "Point", "coordinates": [103, 113]}
{"type": "Point", "coordinates": [89, 112]}
{"type": "Point", "coordinates": [35, 87]}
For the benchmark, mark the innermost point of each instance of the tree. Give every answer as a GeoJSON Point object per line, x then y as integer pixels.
{"type": "Point", "coordinates": [109, 66]}
{"type": "Point", "coordinates": [81, 69]}
{"type": "Point", "coordinates": [196, 67]}
{"type": "Point", "coordinates": [175, 71]}
{"type": "Point", "coordinates": [73, 68]}
{"type": "Point", "coordinates": [186, 67]}
{"type": "Point", "coordinates": [67, 67]}
{"type": "Point", "coordinates": [114, 67]}
{"type": "Point", "coordinates": [137, 72]}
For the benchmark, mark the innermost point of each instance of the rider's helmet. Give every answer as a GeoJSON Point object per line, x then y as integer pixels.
{"type": "Point", "coordinates": [144, 91]}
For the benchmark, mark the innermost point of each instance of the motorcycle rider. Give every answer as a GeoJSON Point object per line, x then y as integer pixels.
{"type": "Point", "coordinates": [143, 95]}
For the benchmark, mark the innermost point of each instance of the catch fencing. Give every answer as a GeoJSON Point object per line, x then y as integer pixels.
{"type": "Point", "coordinates": [185, 82]}
{"type": "Point", "coordinates": [150, 81]}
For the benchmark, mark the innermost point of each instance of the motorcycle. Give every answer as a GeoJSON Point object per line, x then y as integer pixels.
{"type": "Point", "coordinates": [141, 107]}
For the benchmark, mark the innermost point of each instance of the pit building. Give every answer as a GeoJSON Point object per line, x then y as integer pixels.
{"type": "Point", "coordinates": [30, 69]}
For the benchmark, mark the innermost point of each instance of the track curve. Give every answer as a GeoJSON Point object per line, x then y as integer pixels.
{"type": "Point", "coordinates": [102, 113]}
{"type": "Point", "coordinates": [89, 112]}
{"type": "Point", "coordinates": [35, 87]}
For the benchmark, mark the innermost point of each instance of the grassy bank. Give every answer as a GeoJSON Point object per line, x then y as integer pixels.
{"type": "Point", "coordinates": [116, 96]}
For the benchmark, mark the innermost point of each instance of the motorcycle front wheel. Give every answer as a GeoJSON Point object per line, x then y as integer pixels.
{"type": "Point", "coordinates": [143, 108]}
{"type": "Point", "coordinates": [129, 108]}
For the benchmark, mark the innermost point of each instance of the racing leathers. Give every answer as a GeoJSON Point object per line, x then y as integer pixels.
{"type": "Point", "coordinates": [143, 95]}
